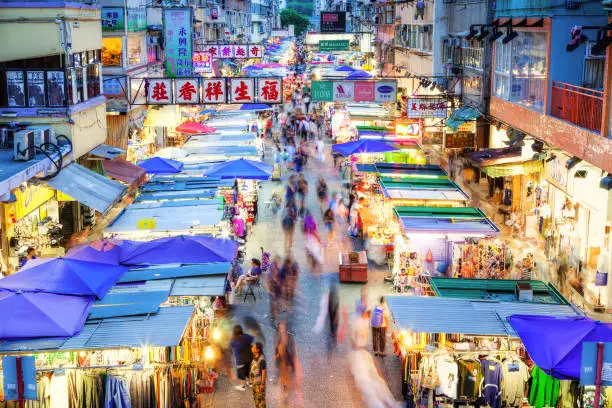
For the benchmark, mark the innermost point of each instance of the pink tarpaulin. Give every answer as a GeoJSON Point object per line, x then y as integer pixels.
{"type": "Point", "coordinates": [194, 127]}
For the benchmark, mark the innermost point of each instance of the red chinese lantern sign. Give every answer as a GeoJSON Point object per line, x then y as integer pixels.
{"type": "Point", "coordinates": [242, 90]}
{"type": "Point", "coordinates": [269, 90]}
{"type": "Point", "coordinates": [239, 51]}
{"type": "Point", "coordinates": [214, 91]}
{"type": "Point", "coordinates": [159, 91]}
{"type": "Point", "coordinates": [186, 91]}
{"type": "Point", "coordinates": [197, 91]}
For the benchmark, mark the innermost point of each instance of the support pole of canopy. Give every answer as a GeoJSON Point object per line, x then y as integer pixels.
{"type": "Point", "coordinates": [600, 355]}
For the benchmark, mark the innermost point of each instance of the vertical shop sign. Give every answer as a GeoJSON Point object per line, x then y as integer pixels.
{"type": "Point", "coordinates": [178, 27]}
{"type": "Point", "coordinates": [240, 51]}
{"type": "Point", "coordinates": [159, 91]}
{"type": "Point", "coordinates": [186, 91]}
{"type": "Point", "coordinates": [15, 88]}
{"type": "Point", "coordinates": [112, 19]}
{"type": "Point", "coordinates": [242, 90]}
{"type": "Point", "coordinates": [364, 91]}
{"type": "Point", "coordinates": [385, 91]}
{"type": "Point", "coordinates": [269, 90]}
{"type": "Point", "coordinates": [56, 85]}
{"type": "Point", "coordinates": [322, 91]}
{"type": "Point", "coordinates": [36, 88]}
{"type": "Point", "coordinates": [344, 91]}
{"type": "Point", "coordinates": [202, 62]}
{"type": "Point", "coordinates": [214, 91]}
{"type": "Point", "coordinates": [255, 51]}
{"type": "Point", "coordinates": [137, 19]}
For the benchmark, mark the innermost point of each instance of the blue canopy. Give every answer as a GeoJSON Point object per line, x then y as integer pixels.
{"type": "Point", "coordinates": [98, 251]}
{"type": "Point", "coordinates": [555, 344]}
{"type": "Point", "coordinates": [159, 165]}
{"type": "Point", "coordinates": [255, 106]}
{"type": "Point", "coordinates": [363, 146]}
{"type": "Point", "coordinates": [30, 315]}
{"type": "Point", "coordinates": [251, 67]}
{"type": "Point", "coordinates": [345, 68]}
{"type": "Point", "coordinates": [358, 74]}
{"type": "Point", "coordinates": [64, 276]}
{"type": "Point", "coordinates": [180, 250]}
{"type": "Point", "coordinates": [242, 169]}
{"type": "Point", "coordinates": [208, 111]}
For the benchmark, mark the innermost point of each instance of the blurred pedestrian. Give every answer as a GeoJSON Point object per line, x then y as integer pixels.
{"type": "Point", "coordinates": [289, 276]}
{"type": "Point", "coordinates": [333, 314]}
{"type": "Point", "coordinates": [362, 302]}
{"type": "Point", "coordinates": [288, 364]}
{"type": "Point", "coordinates": [322, 193]}
{"type": "Point", "coordinates": [361, 330]}
{"type": "Point", "coordinates": [320, 149]}
{"type": "Point", "coordinates": [379, 322]}
{"type": "Point", "coordinates": [241, 344]}
{"type": "Point", "coordinates": [375, 392]}
{"type": "Point", "coordinates": [274, 285]}
{"type": "Point", "coordinates": [289, 220]}
{"type": "Point", "coordinates": [302, 190]}
{"type": "Point", "coordinates": [328, 220]}
{"type": "Point", "coordinates": [257, 375]}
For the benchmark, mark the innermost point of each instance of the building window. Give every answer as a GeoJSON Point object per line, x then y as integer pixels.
{"type": "Point", "coordinates": [472, 58]}
{"type": "Point", "coordinates": [135, 50]}
{"type": "Point", "coordinates": [593, 72]}
{"type": "Point", "coordinates": [93, 80]}
{"type": "Point", "coordinates": [112, 51]}
{"type": "Point", "coordinates": [520, 70]}
{"type": "Point", "coordinates": [388, 14]}
{"type": "Point", "coordinates": [425, 37]}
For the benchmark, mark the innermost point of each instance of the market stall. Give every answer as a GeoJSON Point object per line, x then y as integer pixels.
{"type": "Point", "coordinates": [470, 339]}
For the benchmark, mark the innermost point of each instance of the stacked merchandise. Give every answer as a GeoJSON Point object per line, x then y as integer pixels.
{"type": "Point", "coordinates": [407, 266]}
{"type": "Point", "coordinates": [482, 260]}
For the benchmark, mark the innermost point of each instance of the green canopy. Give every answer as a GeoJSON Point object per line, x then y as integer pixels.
{"type": "Point", "coordinates": [462, 115]}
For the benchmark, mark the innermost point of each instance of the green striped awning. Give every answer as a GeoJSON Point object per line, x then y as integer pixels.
{"type": "Point", "coordinates": [514, 169]}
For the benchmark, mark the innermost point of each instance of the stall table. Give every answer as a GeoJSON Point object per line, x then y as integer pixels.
{"type": "Point", "coordinates": [353, 267]}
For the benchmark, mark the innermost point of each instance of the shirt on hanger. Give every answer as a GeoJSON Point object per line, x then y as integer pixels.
{"type": "Point", "coordinates": [448, 375]}
{"type": "Point", "coordinates": [59, 391]}
{"type": "Point", "coordinates": [491, 385]}
{"type": "Point", "coordinates": [470, 377]}
{"type": "Point", "coordinates": [515, 374]}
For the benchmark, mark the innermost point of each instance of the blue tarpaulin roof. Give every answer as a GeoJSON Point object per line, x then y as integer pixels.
{"type": "Point", "coordinates": [242, 169]}
{"type": "Point", "coordinates": [106, 151]}
{"type": "Point", "coordinates": [181, 249]}
{"type": "Point", "coordinates": [162, 329]}
{"type": "Point", "coordinates": [175, 271]}
{"type": "Point", "coordinates": [177, 195]}
{"type": "Point", "coordinates": [345, 68]}
{"type": "Point", "coordinates": [64, 276]}
{"type": "Point", "coordinates": [555, 344]}
{"type": "Point", "coordinates": [255, 106]}
{"type": "Point", "coordinates": [30, 315]}
{"type": "Point", "coordinates": [200, 286]}
{"type": "Point", "coordinates": [159, 165]}
{"type": "Point", "coordinates": [87, 187]}
{"type": "Point", "coordinates": [428, 314]}
{"type": "Point", "coordinates": [107, 253]}
{"type": "Point", "coordinates": [363, 146]}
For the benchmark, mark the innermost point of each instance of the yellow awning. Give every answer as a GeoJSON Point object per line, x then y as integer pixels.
{"type": "Point", "coordinates": [514, 169]}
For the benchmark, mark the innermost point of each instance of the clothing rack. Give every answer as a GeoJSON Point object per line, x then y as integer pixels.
{"type": "Point", "coordinates": [120, 367]}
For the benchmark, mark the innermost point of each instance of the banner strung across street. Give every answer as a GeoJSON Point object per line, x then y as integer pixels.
{"type": "Point", "coordinates": [197, 91]}
{"type": "Point", "coordinates": [426, 108]}
{"type": "Point", "coordinates": [354, 91]}
{"type": "Point", "coordinates": [222, 51]}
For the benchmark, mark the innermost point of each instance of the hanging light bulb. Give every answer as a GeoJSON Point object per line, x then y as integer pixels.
{"type": "Point", "coordinates": [216, 334]}
{"type": "Point", "coordinates": [209, 353]}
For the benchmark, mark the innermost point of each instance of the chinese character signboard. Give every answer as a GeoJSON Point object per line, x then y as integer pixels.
{"type": "Point", "coordinates": [354, 91]}
{"type": "Point", "coordinates": [334, 45]}
{"type": "Point", "coordinates": [214, 90]}
{"type": "Point", "coordinates": [221, 51]}
{"type": "Point", "coordinates": [113, 19]}
{"type": "Point", "coordinates": [186, 91]}
{"type": "Point", "coordinates": [159, 91]}
{"type": "Point", "coordinates": [36, 88]}
{"type": "Point", "coordinates": [459, 140]}
{"type": "Point", "coordinates": [15, 88]}
{"type": "Point", "coordinates": [55, 88]}
{"type": "Point", "coordinates": [226, 51]}
{"type": "Point", "coordinates": [240, 51]}
{"type": "Point", "coordinates": [202, 62]}
{"type": "Point", "coordinates": [322, 91]}
{"type": "Point", "coordinates": [178, 27]}
{"type": "Point", "coordinates": [333, 21]}
{"type": "Point", "coordinates": [242, 90]}
{"type": "Point", "coordinates": [364, 91]}
{"type": "Point", "coordinates": [270, 90]}
{"type": "Point", "coordinates": [256, 50]}
{"type": "Point", "coordinates": [426, 108]}
{"type": "Point", "coordinates": [137, 19]}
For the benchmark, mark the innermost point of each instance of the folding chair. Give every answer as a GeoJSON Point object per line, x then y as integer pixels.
{"type": "Point", "coordinates": [250, 290]}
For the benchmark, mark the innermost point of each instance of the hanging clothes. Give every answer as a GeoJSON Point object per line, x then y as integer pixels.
{"type": "Point", "coordinates": [544, 389]}
{"type": "Point", "coordinates": [516, 375]}
{"type": "Point", "coordinates": [59, 391]}
{"type": "Point", "coordinates": [470, 377]}
{"type": "Point", "coordinates": [491, 385]}
{"type": "Point", "coordinates": [117, 393]}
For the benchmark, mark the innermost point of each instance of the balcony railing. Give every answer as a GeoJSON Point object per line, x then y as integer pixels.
{"type": "Point", "coordinates": [580, 106]}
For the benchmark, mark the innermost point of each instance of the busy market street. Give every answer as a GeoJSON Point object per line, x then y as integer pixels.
{"type": "Point", "coordinates": [271, 203]}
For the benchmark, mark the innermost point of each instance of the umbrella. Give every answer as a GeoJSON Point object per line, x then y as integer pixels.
{"type": "Point", "coordinates": [100, 251]}
{"type": "Point", "coordinates": [242, 169]}
{"type": "Point", "coordinates": [64, 276]}
{"type": "Point", "coordinates": [358, 74]}
{"type": "Point", "coordinates": [345, 68]}
{"type": "Point", "coordinates": [30, 315]}
{"type": "Point", "coordinates": [182, 249]}
{"type": "Point", "coordinates": [159, 165]}
{"type": "Point", "coordinates": [194, 127]}
{"type": "Point", "coordinates": [363, 146]}
{"type": "Point", "coordinates": [555, 344]}
{"type": "Point", "coordinates": [255, 106]}
{"type": "Point", "coordinates": [171, 153]}
{"type": "Point", "coordinates": [208, 112]}
{"type": "Point", "coordinates": [251, 68]}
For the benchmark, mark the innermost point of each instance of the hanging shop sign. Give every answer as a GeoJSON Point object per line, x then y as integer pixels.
{"type": "Point", "coordinates": [202, 62]}
{"type": "Point", "coordinates": [113, 19]}
{"type": "Point", "coordinates": [354, 91]}
{"type": "Point", "coordinates": [197, 91]}
{"type": "Point", "coordinates": [36, 88]}
{"type": "Point", "coordinates": [556, 172]}
{"type": "Point", "coordinates": [56, 84]}
{"type": "Point", "coordinates": [427, 108]}
{"type": "Point", "coordinates": [137, 19]}
{"type": "Point", "coordinates": [240, 51]}
{"type": "Point", "coordinates": [178, 31]}
{"type": "Point", "coordinates": [460, 140]}
{"type": "Point", "coordinates": [333, 21]}
{"type": "Point", "coordinates": [408, 131]}
{"type": "Point", "coordinates": [15, 88]}
{"type": "Point", "coordinates": [334, 45]}
{"type": "Point", "coordinates": [29, 198]}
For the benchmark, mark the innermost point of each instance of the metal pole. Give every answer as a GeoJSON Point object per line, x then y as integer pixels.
{"type": "Point", "coordinates": [600, 353]}
{"type": "Point", "coordinates": [19, 382]}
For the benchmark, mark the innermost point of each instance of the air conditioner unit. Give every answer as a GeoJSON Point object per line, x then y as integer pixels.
{"type": "Point", "coordinates": [7, 136]}
{"type": "Point", "coordinates": [43, 134]}
{"type": "Point", "coordinates": [24, 145]}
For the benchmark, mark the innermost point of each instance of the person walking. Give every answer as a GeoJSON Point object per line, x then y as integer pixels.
{"type": "Point", "coordinates": [257, 375]}
{"type": "Point", "coordinates": [241, 345]}
{"type": "Point", "coordinates": [320, 149]}
{"type": "Point", "coordinates": [328, 220]}
{"type": "Point", "coordinates": [379, 322]}
{"type": "Point", "coordinates": [289, 276]}
{"type": "Point", "coordinates": [274, 285]}
{"type": "Point", "coordinates": [333, 314]}
{"type": "Point", "coordinates": [307, 101]}
{"type": "Point", "coordinates": [292, 187]}
{"type": "Point", "coordinates": [302, 190]}
{"type": "Point", "coordinates": [288, 364]}
{"type": "Point", "coordinates": [322, 193]}
{"type": "Point", "coordinates": [289, 220]}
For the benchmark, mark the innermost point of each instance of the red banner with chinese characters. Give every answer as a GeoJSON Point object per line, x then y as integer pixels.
{"type": "Point", "coordinates": [240, 51]}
